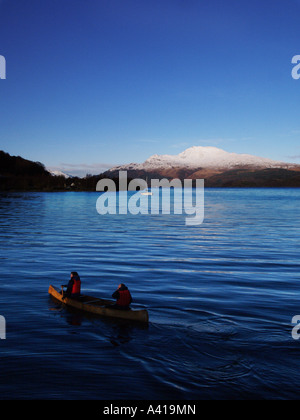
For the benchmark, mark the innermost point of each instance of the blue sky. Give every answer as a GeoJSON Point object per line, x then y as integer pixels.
{"type": "Point", "coordinates": [94, 83]}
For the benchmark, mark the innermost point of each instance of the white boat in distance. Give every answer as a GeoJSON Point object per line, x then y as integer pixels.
{"type": "Point", "coordinates": [146, 191]}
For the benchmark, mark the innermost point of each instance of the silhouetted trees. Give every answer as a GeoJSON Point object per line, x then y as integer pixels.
{"type": "Point", "coordinates": [18, 174]}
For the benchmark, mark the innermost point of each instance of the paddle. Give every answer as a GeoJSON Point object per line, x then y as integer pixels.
{"type": "Point", "coordinates": [62, 292]}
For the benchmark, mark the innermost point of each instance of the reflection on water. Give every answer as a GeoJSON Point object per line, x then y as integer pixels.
{"type": "Point", "coordinates": [220, 296]}
{"type": "Point", "coordinates": [122, 331]}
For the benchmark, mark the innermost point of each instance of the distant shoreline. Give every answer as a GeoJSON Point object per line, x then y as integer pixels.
{"type": "Point", "coordinates": [21, 175]}
{"type": "Point", "coordinates": [99, 192]}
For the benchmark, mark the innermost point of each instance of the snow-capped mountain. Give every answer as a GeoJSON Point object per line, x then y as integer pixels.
{"type": "Point", "coordinates": [198, 157]}
{"type": "Point", "coordinates": [59, 173]}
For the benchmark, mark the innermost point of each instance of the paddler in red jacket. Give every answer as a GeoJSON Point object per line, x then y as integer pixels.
{"type": "Point", "coordinates": [73, 287]}
{"type": "Point", "coordinates": [123, 297]}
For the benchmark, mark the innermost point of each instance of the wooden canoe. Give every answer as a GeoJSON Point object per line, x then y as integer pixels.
{"type": "Point", "coordinates": [97, 306]}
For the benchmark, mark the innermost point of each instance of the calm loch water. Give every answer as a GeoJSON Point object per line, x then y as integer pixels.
{"type": "Point", "coordinates": [221, 297]}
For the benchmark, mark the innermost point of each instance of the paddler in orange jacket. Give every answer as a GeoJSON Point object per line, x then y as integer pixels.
{"type": "Point", "coordinates": [73, 287]}
{"type": "Point", "coordinates": [123, 297]}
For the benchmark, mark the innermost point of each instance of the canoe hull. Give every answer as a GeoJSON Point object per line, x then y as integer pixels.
{"type": "Point", "coordinates": [96, 306]}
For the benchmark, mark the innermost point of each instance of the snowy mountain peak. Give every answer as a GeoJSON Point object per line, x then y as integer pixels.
{"type": "Point", "coordinates": [203, 157]}
{"type": "Point", "coordinates": [59, 173]}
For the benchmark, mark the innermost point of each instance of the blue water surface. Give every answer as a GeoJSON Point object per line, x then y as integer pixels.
{"type": "Point", "coordinates": [220, 295]}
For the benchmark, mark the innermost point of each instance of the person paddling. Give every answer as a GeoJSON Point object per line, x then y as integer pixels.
{"type": "Point", "coordinates": [73, 287]}
{"type": "Point", "coordinates": [123, 296]}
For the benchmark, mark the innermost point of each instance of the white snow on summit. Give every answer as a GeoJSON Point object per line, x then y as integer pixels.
{"type": "Point", "coordinates": [59, 173]}
{"type": "Point", "coordinates": [203, 157]}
